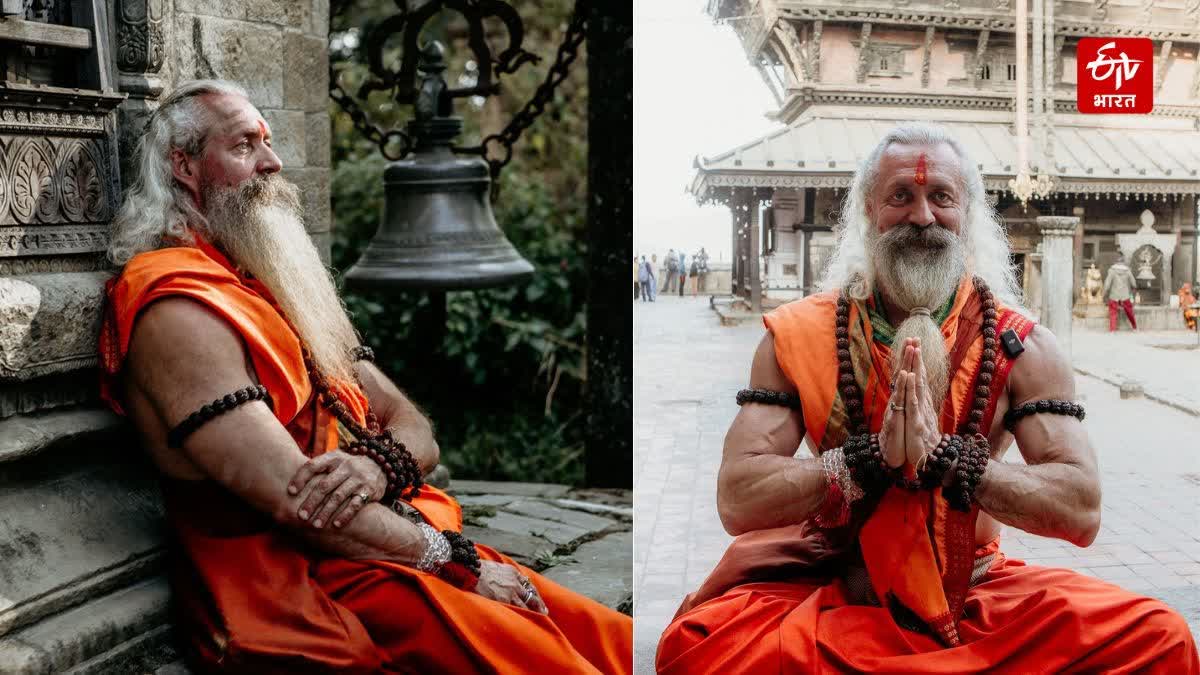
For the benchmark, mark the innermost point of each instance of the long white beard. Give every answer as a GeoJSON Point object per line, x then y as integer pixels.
{"type": "Point", "coordinates": [919, 267]}
{"type": "Point", "coordinates": [259, 226]}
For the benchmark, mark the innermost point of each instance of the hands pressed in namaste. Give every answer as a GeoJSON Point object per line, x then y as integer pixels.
{"type": "Point", "coordinates": [910, 423]}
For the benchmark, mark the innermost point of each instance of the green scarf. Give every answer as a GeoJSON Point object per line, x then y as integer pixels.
{"type": "Point", "coordinates": [884, 332]}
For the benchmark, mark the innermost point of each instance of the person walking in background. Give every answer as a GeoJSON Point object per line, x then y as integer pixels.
{"type": "Point", "coordinates": [683, 272]}
{"type": "Point", "coordinates": [1118, 291]}
{"type": "Point", "coordinates": [654, 276]}
{"type": "Point", "coordinates": [1186, 300]}
{"type": "Point", "coordinates": [646, 280]}
{"type": "Point", "coordinates": [701, 273]}
{"type": "Point", "coordinates": [637, 285]}
{"type": "Point", "coordinates": [672, 264]}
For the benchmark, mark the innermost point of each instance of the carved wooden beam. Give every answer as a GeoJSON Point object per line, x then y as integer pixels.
{"type": "Point", "coordinates": [762, 70]}
{"type": "Point", "coordinates": [45, 34]}
{"type": "Point", "coordinates": [786, 35]}
{"type": "Point", "coordinates": [980, 51]}
{"type": "Point", "coordinates": [926, 48]}
{"type": "Point", "coordinates": [773, 51]}
{"type": "Point", "coordinates": [814, 52]}
{"type": "Point", "coordinates": [1164, 62]}
{"type": "Point", "coordinates": [864, 52]}
{"type": "Point", "coordinates": [1195, 91]}
{"type": "Point", "coordinates": [806, 52]}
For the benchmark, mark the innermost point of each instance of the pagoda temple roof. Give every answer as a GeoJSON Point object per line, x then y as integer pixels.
{"type": "Point", "coordinates": [1092, 154]}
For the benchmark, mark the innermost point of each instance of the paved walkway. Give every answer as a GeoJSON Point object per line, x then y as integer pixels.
{"type": "Point", "coordinates": [1166, 363]}
{"type": "Point", "coordinates": [687, 369]}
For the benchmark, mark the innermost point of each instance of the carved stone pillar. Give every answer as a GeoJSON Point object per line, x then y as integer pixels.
{"type": "Point", "coordinates": [141, 36]}
{"type": "Point", "coordinates": [1058, 283]}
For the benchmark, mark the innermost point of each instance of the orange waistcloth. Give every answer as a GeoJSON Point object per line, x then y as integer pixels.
{"type": "Point", "coordinates": [252, 598]}
{"type": "Point", "coordinates": [1016, 619]}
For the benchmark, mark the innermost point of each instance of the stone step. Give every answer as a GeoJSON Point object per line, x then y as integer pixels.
{"type": "Point", "coordinates": [73, 526]}
{"type": "Point", "coordinates": [93, 637]}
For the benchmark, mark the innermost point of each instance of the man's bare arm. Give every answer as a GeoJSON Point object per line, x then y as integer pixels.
{"type": "Point", "coordinates": [181, 357]}
{"type": "Point", "coordinates": [761, 484]}
{"type": "Point", "coordinates": [408, 424]}
{"type": "Point", "coordinates": [1057, 493]}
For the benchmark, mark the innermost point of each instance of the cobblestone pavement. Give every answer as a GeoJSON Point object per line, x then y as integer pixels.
{"type": "Point", "coordinates": [687, 368]}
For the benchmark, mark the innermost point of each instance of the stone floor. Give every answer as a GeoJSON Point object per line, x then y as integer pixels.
{"type": "Point", "coordinates": [687, 368]}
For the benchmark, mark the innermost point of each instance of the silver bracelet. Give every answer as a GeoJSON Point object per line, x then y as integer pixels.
{"type": "Point", "coordinates": [437, 550]}
{"type": "Point", "coordinates": [834, 463]}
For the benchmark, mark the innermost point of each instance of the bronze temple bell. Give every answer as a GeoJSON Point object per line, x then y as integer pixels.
{"type": "Point", "coordinates": [437, 231]}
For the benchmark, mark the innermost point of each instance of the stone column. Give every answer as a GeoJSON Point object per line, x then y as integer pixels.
{"type": "Point", "coordinates": [754, 276]}
{"type": "Point", "coordinates": [1058, 251]}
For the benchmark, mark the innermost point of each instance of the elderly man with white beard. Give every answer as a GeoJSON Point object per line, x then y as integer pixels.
{"type": "Point", "coordinates": [291, 466]}
{"type": "Point", "coordinates": [911, 376]}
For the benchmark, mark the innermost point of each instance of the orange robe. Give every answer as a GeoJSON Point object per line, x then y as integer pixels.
{"type": "Point", "coordinates": [779, 600]}
{"type": "Point", "coordinates": [251, 598]}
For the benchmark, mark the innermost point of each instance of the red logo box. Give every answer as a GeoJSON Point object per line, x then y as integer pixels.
{"type": "Point", "coordinates": [1115, 75]}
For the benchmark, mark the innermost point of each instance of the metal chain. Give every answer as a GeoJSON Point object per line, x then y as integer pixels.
{"type": "Point", "coordinates": [364, 126]}
{"type": "Point", "coordinates": [567, 52]}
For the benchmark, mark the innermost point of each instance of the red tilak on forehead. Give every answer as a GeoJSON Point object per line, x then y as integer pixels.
{"type": "Point", "coordinates": [262, 129]}
{"type": "Point", "coordinates": [920, 177]}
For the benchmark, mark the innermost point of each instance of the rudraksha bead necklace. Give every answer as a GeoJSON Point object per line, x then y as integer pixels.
{"type": "Point", "coordinates": [975, 450]}
{"type": "Point", "coordinates": [404, 479]}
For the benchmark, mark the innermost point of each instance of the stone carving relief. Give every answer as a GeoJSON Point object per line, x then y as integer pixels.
{"type": "Point", "coordinates": [140, 36]}
{"type": "Point", "coordinates": [52, 181]}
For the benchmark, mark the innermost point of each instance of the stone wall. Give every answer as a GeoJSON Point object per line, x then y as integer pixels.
{"type": "Point", "coordinates": [277, 50]}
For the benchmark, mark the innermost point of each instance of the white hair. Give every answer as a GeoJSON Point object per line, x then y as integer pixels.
{"type": "Point", "coordinates": [156, 207]}
{"type": "Point", "coordinates": [984, 238]}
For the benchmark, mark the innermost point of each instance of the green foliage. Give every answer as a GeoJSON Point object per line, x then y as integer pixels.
{"type": "Point", "coordinates": [505, 391]}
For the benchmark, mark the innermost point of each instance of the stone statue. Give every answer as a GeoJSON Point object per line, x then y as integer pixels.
{"type": "Point", "coordinates": [1093, 287]}
{"type": "Point", "coordinates": [1146, 262]}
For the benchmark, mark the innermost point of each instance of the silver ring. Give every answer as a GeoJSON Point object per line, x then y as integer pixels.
{"type": "Point", "coordinates": [364, 497]}
{"type": "Point", "coordinates": [896, 407]}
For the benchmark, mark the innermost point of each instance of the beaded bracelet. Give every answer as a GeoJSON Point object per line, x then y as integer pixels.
{"type": "Point", "coordinates": [864, 459]}
{"type": "Point", "coordinates": [450, 556]}
{"type": "Point", "coordinates": [931, 473]}
{"type": "Point", "coordinates": [769, 397]}
{"type": "Point", "coordinates": [206, 413]}
{"type": "Point", "coordinates": [1050, 405]}
{"type": "Point", "coordinates": [841, 491]}
{"type": "Point", "coordinates": [404, 478]}
{"type": "Point", "coordinates": [362, 353]}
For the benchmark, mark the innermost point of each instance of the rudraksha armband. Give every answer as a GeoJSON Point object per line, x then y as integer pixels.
{"type": "Point", "coordinates": [768, 397]}
{"type": "Point", "coordinates": [206, 413]}
{"type": "Point", "coordinates": [1050, 405]}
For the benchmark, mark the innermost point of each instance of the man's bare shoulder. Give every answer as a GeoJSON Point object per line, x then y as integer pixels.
{"type": "Point", "coordinates": [1042, 370]}
{"type": "Point", "coordinates": [179, 346]}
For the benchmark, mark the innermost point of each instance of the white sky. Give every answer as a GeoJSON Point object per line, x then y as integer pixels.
{"type": "Point", "coordinates": [694, 93]}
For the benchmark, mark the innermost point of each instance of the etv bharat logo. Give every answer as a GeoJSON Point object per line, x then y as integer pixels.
{"type": "Point", "coordinates": [1115, 75]}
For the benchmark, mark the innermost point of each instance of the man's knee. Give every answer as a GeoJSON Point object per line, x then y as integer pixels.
{"type": "Point", "coordinates": [1163, 619]}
